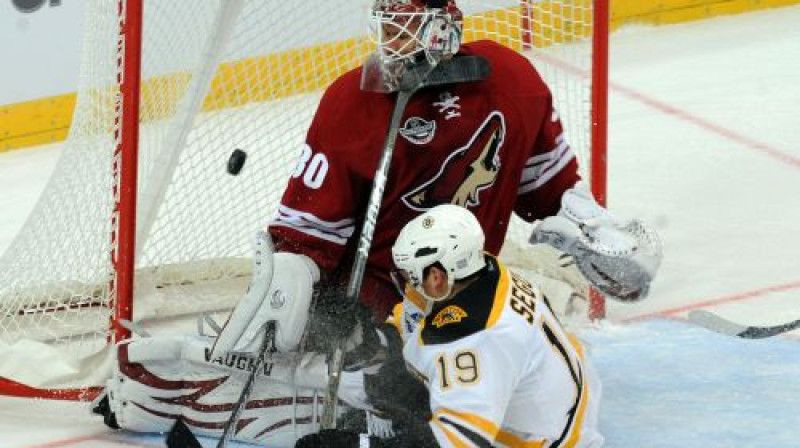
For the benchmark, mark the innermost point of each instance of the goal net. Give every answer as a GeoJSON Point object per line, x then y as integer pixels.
{"type": "Point", "coordinates": [215, 76]}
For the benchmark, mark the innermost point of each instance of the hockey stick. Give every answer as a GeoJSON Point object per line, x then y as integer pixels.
{"type": "Point", "coordinates": [719, 324]}
{"type": "Point", "coordinates": [181, 437]}
{"type": "Point", "coordinates": [456, 70]}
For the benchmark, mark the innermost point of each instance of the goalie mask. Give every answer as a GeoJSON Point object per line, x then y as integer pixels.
{"type": "Point", "coordinates": [447, 234]}
{"type": "Point", "coordinates": [408, 32]}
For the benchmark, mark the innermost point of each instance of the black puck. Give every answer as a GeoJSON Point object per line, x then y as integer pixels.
{"type": "Point", "coordinates": [236, 162]}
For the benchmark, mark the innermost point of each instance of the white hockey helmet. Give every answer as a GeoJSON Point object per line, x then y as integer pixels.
{"type": "Point", "coordinates": [447, 234]}
{"type": "Point", "coordinates": [406, 32]}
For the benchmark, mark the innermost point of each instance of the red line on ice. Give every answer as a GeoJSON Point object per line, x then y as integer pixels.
{"type": "Point", "coordinates": [66, 442]}
{"type": "Point", "coordinates": [714, 128]}
{"type": "Point", "coordinates": [739, 297]}
{"type": "Point", "coordinates": [673, 111]}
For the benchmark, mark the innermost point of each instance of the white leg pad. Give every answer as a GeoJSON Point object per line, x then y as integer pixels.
{"type": "Point", "coordinates": [157, 380]}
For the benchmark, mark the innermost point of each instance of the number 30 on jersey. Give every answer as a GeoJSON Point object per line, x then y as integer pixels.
{"type": "Point", "coordinates": [313, 167]}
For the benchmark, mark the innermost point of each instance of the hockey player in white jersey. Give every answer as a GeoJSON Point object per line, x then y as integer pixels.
{"type": "Point", "coordinates": [499, 368]}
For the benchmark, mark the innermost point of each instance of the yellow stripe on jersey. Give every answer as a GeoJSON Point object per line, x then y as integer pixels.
{"type": "Point", "coordinates": [483, 427]}
{"type": "Point", "coordinates": [397, 318]}
{"type": "Point", "coordinates": [574, 437]}
{"type": "Point", "coordinates": [572, 434]}
{"type": "Point", "coordinates": [416, 298]}
{"type": "Point", "coordinates": [500, 295]}
{"type": "Point", "coordinates": [421, 326]}
{"type": "Point", "coordinates": [576, 344]}
{"type": "Point", "coordinates": [451, 436]}
{"type": "Point", "coordinates": [512, 441]}
{"type": "Point", "coordinates": [575, 432]}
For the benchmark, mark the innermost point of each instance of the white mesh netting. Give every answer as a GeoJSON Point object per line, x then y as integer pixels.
{"type": "Point", "coordinates": [216, 76]}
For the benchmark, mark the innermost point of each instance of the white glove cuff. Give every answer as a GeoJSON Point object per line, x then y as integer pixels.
{"type": "Point", "coordinates": [578, 205]}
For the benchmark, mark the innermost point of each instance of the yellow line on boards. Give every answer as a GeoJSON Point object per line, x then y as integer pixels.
{"type": "Point", "coordinates": [36, 122]}
{"type": "Point", "coordinates": [48, 120]}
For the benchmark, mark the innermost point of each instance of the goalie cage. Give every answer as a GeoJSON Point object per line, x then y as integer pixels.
{"type": "Point", "coordinates": [140, 200]}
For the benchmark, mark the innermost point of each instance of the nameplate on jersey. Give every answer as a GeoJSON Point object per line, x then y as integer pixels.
{"type": "Point", "coordinates": [418, 131]}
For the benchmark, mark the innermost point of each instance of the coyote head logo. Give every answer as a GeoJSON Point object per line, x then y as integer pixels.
{"type": "Point", "coordinates": [467, 170]}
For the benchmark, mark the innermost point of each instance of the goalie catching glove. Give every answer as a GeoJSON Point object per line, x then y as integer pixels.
{"type": "Point", "coordinates": [280, 290]}
{"type": "Point", "coordinates": [619, 259]}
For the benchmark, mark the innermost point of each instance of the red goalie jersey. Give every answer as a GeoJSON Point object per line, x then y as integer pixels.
{"type": "Point", "coordinates": [493, 146]}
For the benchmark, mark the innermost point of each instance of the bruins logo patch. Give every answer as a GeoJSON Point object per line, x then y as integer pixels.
{"type": "Point", "coordinates": [451, 314]}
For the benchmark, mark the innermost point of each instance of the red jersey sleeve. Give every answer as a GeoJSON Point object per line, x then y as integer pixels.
{"type": "Point", "coordinates": [551, 169]}
{"type": "Point", "coordinates": [325, 194]}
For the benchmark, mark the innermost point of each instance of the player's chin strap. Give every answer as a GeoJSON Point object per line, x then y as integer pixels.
{"type": "Point", "coordinates": [619, 259]}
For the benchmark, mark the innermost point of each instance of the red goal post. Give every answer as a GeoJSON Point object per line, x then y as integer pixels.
{"type": "Point", "coordinates": [140, 222]}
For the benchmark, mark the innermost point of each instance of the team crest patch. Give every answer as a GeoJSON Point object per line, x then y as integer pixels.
{"type": "Point", "coordinates": [451, 314]}
{"type": "Point", "coordinates": [418, 130]}
{"type": "Point", "coordinates": [466, 172]}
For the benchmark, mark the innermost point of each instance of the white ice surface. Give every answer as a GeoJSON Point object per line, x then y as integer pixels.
{"type": "Point", "coordinates": [704, 143]}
